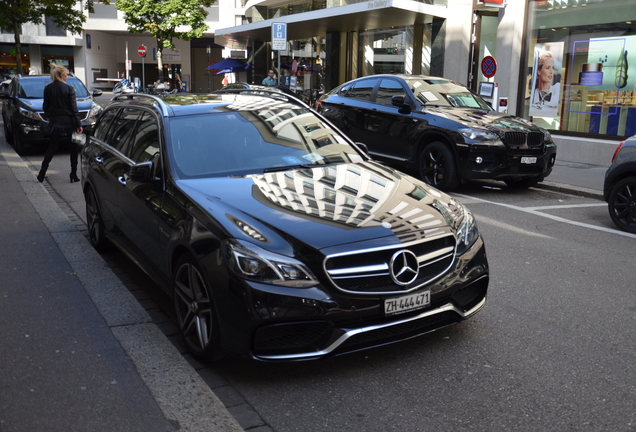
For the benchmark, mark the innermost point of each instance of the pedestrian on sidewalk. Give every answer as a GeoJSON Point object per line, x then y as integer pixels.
{"type": "Point", "coordinates": [60, 107]}
{"type": "Point", "coordinates": [269, 79]}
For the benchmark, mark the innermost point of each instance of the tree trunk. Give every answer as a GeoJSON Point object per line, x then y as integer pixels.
{"type": "Point", "coordinates": [18, 47]}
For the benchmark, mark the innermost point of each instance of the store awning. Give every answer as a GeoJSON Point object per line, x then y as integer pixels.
{"type": "Point", "coordinates": [373, 14]}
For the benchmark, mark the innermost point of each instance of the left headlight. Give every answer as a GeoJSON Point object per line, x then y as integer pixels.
{"type": "Point", "coordinates": [477, 134]}
{"type": "Point", "coordinates": [94, 112]}
{"type": "Point", "coordinates": [30, 114]}
{"type": "Point", "coordinates": [256, 264]}
{"type": "Point", "coordinates": [467, 233]}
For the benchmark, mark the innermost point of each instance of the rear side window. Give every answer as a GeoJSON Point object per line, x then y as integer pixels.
{"type": "Point", "coordinates": [361, 90]}
{"type": "Point", "coordinates": [122, 128]}
{"type": "Point", "coordinates": [106, 119]}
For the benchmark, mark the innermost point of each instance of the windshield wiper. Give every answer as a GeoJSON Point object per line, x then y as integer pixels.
{"type": "Point", "coordinates": [287, 167]}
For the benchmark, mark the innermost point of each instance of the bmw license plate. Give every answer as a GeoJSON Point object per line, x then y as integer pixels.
{"type": "Point", "coordinates": [407, 303]}
{"type": "Point", "coordinates": [528, 160]}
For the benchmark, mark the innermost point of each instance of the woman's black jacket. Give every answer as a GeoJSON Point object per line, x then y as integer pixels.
{"type": "Point", "coordinates": [60, 106]}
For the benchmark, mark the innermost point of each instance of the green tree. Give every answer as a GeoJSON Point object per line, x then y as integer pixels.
{"type": "Point", "coordinates": [67, 14]}
{"type": "Point", "coordinates": [166, 20]}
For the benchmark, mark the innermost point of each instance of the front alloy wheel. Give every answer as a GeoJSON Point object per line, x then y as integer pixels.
{"type": "Point", "coordinates": [94, 222]}
{"type": "Point", "coordinates": [194, 309]}
{"type": "Point", "coordinates": [437, 167]}
{"type": "Point", "coordinates": [622, 204]}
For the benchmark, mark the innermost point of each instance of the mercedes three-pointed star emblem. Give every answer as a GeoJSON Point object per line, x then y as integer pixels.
{"type": "Point", "coordinates": [404, 267]}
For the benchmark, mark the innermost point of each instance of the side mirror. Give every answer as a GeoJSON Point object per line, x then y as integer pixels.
{"type": "Point", "coordinates": [401, 102]}
{"type": "Point", "coordinates": [141, 172]}
{"type": "Point", "coordinates": [362, 147]}
{"type": "Point", "coordinates": [97, 92]}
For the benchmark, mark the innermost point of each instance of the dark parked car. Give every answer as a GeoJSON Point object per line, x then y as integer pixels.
{"type": "Point", "coordinates": [22, 113]}
{"type": "Point", "coordinates": [441, 129]}
{"type": "Point", "coordinates": [276, 237]}
{"type": "Point", "coordinates": [619, 189]}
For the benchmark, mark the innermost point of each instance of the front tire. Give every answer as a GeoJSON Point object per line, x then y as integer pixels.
{"type": "Point", "coordinates": [622, 204]}
{"type": "Point", "coordinates": [437, 167]}
{"type": "Point", "coordinates": [195, 311]}
{"type": "Point", "coordinates": [7, 133]}
{"type": "Point", "coordinates": [523, 183]}
{"type": "Point", "coordinates": [19, 146]}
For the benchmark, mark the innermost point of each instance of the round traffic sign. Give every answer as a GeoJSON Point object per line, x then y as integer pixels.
{"type": "Point", "coordinates": [489, 66]}
{"type": "Point", "coordinates": [141, 51]}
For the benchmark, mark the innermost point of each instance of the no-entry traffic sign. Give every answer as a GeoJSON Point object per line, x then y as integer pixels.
{"type": "Point", "coordinates": [489, 66]}
{"type": "Point", "coordinates": [141, 51]}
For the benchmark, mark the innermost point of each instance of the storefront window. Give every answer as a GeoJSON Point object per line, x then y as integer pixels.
{"type": "Point", "coordinates": [387, 51]}
{"type": "Point", "coordinates": [60, 55]}
{"type": "Point", "coordinates": [302, 67]}
{"type": "Point", "coordinates": [8, 60]}
{"type": "Point", "coordinates": [579, 79]}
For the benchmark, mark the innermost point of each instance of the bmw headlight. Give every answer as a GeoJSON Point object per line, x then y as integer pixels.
{"type": "Point", "coordinates": [256, 264]}
{"type": "Point", "coordinates": [547, 138]}
{"type": "Point", "coordinates": [94, 112]}
{"type": "Point", "coordinates": [477, 134]}
{"type": "Point", "coordinates": [467, 233]}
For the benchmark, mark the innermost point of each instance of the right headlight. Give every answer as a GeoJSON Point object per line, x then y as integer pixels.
{"type": "Point", "coordinates": [467, 233]}
{"type": "Point", "coordinates": [259, 265]}
{"type": "Point", "coordinates": [477, 134]}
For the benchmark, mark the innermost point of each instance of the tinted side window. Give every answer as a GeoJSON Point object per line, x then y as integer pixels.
{"type": "Point", "coordinates": [145, 143]}
{"type": "Point", "coordinates": [362, 89]}
{"type": "Point", "coordinates": [388, 88]}
{"type": "Point", "coordinates": [105, 121]}
{"type": "Point", "coordinates": [122, 128]}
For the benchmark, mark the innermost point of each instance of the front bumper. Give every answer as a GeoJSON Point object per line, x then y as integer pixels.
{"type": "Point", "coordinates": [498, 162]}
{"type": "Point", "coordinates": [304, 324]}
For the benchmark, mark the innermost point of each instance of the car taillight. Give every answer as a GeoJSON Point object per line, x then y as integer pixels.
{"type": "Point", "coordinates": [617, 150]}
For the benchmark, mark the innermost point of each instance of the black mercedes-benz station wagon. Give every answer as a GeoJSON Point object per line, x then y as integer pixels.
{"type": "Point", "coordinates": [441, 129]}
{"type": "Point", "coordinates": [277, 237]}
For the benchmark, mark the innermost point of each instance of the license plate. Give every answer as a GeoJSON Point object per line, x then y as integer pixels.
{"type": "Point", "coordinates": [528, 160]}
{"type": "Point", "coordinates": [407, 303]}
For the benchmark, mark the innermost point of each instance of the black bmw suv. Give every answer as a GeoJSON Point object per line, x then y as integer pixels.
{"type": "Point", "coordinates": [277, 238]}
{"type": "Point", "coordinates": [23, 115]}
{"type": "Point", "coordinates": [441, 129]}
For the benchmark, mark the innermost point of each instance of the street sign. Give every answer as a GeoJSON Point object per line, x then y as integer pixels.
{"type": "Point", "coordinates": [489, 66]}
{"type": "Point", "coordinates": [279, 36]}
{"type": "Point", "coordinates": [141, 51]}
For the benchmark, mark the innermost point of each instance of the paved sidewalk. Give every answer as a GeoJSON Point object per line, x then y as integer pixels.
{"type": "Point", "coordinates": [77, 351]}
{"type": "Point", "coordinates": [576, 178]}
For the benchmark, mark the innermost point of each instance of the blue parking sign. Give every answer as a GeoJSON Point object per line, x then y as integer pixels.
{"type": "Point", "coordinates": [279, 36]}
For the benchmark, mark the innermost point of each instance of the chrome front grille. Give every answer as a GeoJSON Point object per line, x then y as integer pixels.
{"type": "Point", "coordinates": [368, 271]}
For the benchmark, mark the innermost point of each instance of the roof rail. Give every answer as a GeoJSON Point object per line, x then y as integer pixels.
{"type": "Point", "coordinates": [142, 97]}
{"type": "Point", "coordinates": [274, 94]}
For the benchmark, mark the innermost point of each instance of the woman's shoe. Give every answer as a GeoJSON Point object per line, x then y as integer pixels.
{"type": "Point", "coordinates": [74, 178]}
{"type": "Point", "coordinates": [41, 177]}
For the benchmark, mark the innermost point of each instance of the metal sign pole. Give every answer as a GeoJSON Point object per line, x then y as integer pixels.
{"type": "Point", "coordinates": [143, 73]}
{"type": "Point", "coordinates": [278, 67]}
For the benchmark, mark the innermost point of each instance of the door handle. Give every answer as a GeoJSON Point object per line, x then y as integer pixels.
{"type": "Point", "coordinates": [122, 180]}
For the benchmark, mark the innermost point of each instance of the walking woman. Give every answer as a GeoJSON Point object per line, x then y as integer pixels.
{"type": "Point", "coordinates": [60, 107]}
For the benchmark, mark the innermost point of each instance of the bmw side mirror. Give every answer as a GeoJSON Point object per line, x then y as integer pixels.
{"type": "Point", "coordinates": [401, 102]}
{"type": "Point", "coordinates": [141, 172]}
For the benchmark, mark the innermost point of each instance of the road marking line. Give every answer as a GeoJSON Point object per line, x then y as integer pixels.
{"type": "Point", "coordinates": [549, 216]}
{"type": "Point", "coordinates": [556, 207]}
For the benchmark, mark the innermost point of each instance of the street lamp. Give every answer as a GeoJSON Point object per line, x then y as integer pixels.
{"type": "Point", "coordinates": [207, 50]}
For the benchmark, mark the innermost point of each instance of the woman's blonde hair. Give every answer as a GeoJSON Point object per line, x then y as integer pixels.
{"type": "Point", "coordinates": [57, 71]}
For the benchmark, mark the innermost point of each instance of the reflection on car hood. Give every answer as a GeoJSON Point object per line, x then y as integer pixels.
{"type": "Point", "coordinates": [328, 206]}
{"type": "Point", "coordinates": [479, 118]}
{"type": "Point", "coordinates": [83, 104]}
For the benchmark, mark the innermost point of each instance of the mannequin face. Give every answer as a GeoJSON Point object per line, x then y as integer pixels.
{"type": "Point", "coordinates": [546, 74]}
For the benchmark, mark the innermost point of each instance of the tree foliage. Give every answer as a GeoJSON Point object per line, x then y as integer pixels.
{"type": "Point", "coordinates": [166, 20]}
{"type": "Point", "coordinates": [67, 14]}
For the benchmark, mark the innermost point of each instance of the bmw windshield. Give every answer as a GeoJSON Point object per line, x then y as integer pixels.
{"type": "Point", "coordinates": [443, 92]}
{"type": "Point", "coordinates": [240, 140]}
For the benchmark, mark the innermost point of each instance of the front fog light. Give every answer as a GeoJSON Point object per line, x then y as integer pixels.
{"type": "Point", "coordinates": [479, 159]}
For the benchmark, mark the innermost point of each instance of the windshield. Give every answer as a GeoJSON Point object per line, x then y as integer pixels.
{"type": "Point", "coordinates": [444, 92]}
{"type": "Point", "coordinates": [33, 88]}
{"type": "Point", "coordinates": [239, 142]}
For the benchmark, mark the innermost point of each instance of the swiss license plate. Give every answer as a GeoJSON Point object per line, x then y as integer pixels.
{"type": "Point", "coordinates": [528, 160]}
{"type": "Point", "coordinates": [407, 303]}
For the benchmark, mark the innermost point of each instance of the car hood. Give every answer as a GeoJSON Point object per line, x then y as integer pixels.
{"type": "Point", "coordinates": [480, 118]}
{"type": "Point", "coordinates": [83, 104]}
{"type": "Point", "coordinates": [328, 206]}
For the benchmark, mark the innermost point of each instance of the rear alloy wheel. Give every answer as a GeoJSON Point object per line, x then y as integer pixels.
{"type": "Point", "coordinates": [95, 222]}
{"type": "Point", "coordinates": [622, 204]}
{"type": "Point", "coordinates": [194, 309]}
{"type": "Point", "coordinates": [437, 167]}
{"type": "Point", "coordinates": [523, 183]}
